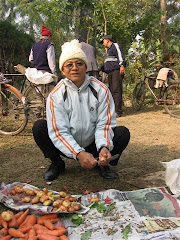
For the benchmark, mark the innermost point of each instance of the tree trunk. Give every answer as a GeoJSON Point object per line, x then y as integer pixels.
{"type": "Point", "coordinates": [165, 52]}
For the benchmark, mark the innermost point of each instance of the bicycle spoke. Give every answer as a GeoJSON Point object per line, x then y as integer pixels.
{"type": "Point", "coordinates": [36, 102]}
{"type": "Point", "coordinates": [172, 101]}
{"type": "Point", "coordinates": [12, 114]}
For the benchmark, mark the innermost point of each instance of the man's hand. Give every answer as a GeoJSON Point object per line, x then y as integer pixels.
{"type": "Point", "coordinates": [86, 160]}
{"type": "Point", "coordinates": [103, 155]}
{"type": "Point", "coordinates": [122, 70]}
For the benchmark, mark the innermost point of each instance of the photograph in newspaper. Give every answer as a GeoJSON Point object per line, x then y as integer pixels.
{"type": "Point", "coordinates": [154, 202]}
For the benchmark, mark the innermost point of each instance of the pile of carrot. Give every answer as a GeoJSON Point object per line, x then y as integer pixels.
{"type": "Point", "coordinates": [25, 226]}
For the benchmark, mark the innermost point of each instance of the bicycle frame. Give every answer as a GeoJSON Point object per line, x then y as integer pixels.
{"type": "Point", "coordinates": [13, 112]}
{"type": "Point", "coordinates": [18, 74]}
{"type": "Point", "coordinates": [168, 96]}
{"type": "Point", "coordinates": [162, 90]}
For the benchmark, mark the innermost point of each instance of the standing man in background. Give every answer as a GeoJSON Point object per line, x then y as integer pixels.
{"type": "Point", "coordinates": [42, 53]}
{"type": "Point", "coordinates": [92, 68]}
{"type": "Point", "coordinates": [114, 66]}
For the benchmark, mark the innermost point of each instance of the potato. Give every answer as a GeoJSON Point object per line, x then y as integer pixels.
{"type": "Point", "coordinates": [67, 196]}
{"type": "Point", "coordinates": [77, 206]}
{"type": "Point", "coordinates": [45, 190]}
{"type": "Point", "coordinates": [57, 203]}
{"type": "Point", "coordinates": [6, 216]}
{"type": "Point", "coordinates": [73, 199]}
{"type": "Point", "coordinates": [71, 209]}
{"type": "Point", "coordinates": [36, 191]}
{"type": "Point", "coordinates": [102, 158]}
{"type": "Point", "coordinates": [47, 202]}
{"type": "Point", "coordinates": [66, 203]}
{"type": "Point", "coordinates": [62, 208]}
{"type": "Point", "coordinates": [44, 198]}
{"type": "Point", "coordinates": [94, 199]}
{"type": "Point", "coordinates": [26, 199]}
{"type": "Point", "coordinates": [40, 193]}
{"type": "Point", "coordinates": [29, 192]}
{"type": "Point", "coordinates": [35, 200]}
{"type": "Point", "coordinates": [50, 193]}
{"type": "Point", "coordinates": [18, 189]}
{"type": "Point", "coordinates": [62, 194]}
{"type": "Point", "coordinates": [51, 198]}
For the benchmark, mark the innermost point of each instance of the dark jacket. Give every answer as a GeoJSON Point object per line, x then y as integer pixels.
{"type": "Point", "coordinates": [40, 60]}
{"type": "Point", "coordinates": [114, 58]}
{"type": "Point", "coordinates": [90, 52]}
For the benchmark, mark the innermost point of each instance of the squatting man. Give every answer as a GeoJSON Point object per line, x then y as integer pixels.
{"type": "Point", "coordinates": [81, 120]}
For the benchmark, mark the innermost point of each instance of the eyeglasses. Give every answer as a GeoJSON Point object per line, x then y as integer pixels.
{"type": "Point", "coordinates": [77, 64]}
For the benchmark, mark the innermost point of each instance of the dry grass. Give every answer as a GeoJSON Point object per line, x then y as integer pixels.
{"type": "Point", "coordinates": [154, 138]}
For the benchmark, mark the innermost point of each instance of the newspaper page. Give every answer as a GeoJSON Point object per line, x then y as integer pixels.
{"type": "Point", "coordinates": [17, 203]}
{"type": "Point", "coordinates": [123, 215]}
{"type": "Point", "coordinates": [154, 202]}
{"type": "Point", "coordinates": [128, 218]}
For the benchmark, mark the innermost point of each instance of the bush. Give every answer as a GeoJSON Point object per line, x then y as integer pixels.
{"type": "Point", "coordinates": [15, 47]}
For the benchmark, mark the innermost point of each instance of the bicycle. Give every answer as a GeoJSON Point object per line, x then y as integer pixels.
{"type": "Point", "coordinates": [17, 107]}
{"type": "Point", "coordinates": [167, 96]}
{"type": "Point", "coordinates": [13, 108]}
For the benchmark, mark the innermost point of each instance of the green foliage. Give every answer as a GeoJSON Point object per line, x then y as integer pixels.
{"type": "Point", "coordinates": [77, 219]}
{"type": "Point", "coordinates": [126, 19]}
{"type": "Point", "coordinates": [103, 208]}
{"type": "Point", "coordinates": [86, 235]}
{"type": "Point", "coordinates": [15, 46]}
{"type": "Point", "coordinates": [126, 231]}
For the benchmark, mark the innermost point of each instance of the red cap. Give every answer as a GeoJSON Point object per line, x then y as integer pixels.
{"type": "Point", "coordinates": [45, 31]}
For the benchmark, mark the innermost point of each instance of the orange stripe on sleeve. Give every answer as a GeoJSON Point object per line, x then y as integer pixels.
{"type": "Point", "coordinates": [108, 123]}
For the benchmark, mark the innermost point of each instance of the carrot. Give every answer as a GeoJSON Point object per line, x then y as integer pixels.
{"type": "Point", "coordinates": [33, 238]}
{"type": "Point", "coordinates": [40, 228]}
{"type": "Point", "coordinates": [54, 220]}
{"type": "Point", "coordinates": [48, 224]}
{"type": "Point", "coordinates": [63, 237]}
{"type": "Point", "coordinates": [25, 229]}
{"type": "Point", "coordinates": [8, 237]}
{"type": "Point", "coordinates": [4, 223]}
{"type": "Point", "coordinates": [40, 231]}
{"type": "Point", "coordinates": [26, 235]}
{"type": "Point", "coordinates": [59, 226]}
{"type": "Point", "coordinates": [46, 217]}
{"type": "Point", "coordinates": [32, 232]}
{"type": "Point", "coordinates": [29, 221]}
{"type": "Point", "coordinates": [45, 236]}
{"type": "Point", "coordinates": [13, 221]}
{"type": "Point", "coordinates": [56, 233]}
{"type": "Point", "coordinates": [3, 232]}
{"type": "Point", "coordinates": [17, 215]}
{"type": "Point", "coordinates": [22, 218]}
{"type": "Point", "coordinates": [16, 233]}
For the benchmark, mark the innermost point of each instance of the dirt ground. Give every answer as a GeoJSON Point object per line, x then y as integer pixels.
{"type": "Point", "coordinates": [154, 138]}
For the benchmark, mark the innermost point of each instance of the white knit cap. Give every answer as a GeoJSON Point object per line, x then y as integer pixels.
{"type": "Point", "coordinates": [71, 50]}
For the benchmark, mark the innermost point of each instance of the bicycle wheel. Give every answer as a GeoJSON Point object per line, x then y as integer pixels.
{"type": "Point", "coordinates": [138, 96]}
{"type": "Point", "coordinates": [36, 102]}
{"type": "Point", "coordinates": [13, 117]}
{"type": "Point", "coordinates": [172, 100]}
